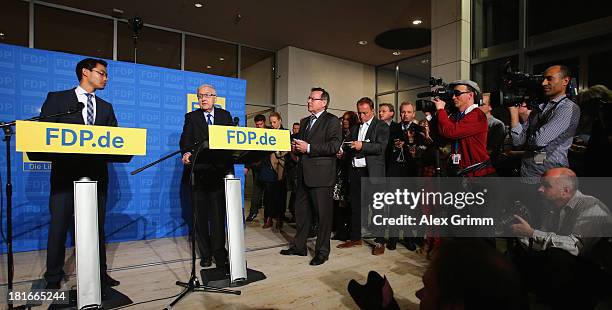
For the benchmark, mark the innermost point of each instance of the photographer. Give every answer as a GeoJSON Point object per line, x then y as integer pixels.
{"type": "Point", "coordinates": [467, 129]}
{"type": "Point", "coordinates": [561, 264]}
{"type": "Point", "coordinates": [547, 132]}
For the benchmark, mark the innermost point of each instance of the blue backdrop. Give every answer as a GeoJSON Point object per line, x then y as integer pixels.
{"type": "Point", "coordinates": [145, 206]}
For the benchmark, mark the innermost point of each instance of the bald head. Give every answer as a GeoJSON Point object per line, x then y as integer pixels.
{"type": "Point", "coordinates": [558, 185]}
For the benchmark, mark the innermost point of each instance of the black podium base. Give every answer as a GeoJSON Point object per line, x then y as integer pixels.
{"type": "Point", "coordinates": [217, 278]}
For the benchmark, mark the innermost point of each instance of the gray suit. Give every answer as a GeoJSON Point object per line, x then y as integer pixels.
{"type": "Point", "coordinates": [316, 172]}
{"type": "Point", "coordinates": [373, 149]}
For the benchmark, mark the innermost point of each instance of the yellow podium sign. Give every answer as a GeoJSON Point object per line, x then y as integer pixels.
{"type": "Point", "coordinates": [79, 139]}
{"type": "Point", "coordinates": [248, 139]}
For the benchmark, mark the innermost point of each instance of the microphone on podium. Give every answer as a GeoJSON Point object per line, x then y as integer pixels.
{"type": "Point", "coordinates": [236, 120]}
{"type": "Point", "coordinates": [77, 108]}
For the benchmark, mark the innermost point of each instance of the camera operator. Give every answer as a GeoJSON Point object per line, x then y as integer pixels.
{"type": "Point", "coordinates": [561, 264]}
{"type": "Point", "coordinates": [547, 133]}
{"type": "Point", "coordinates": [467, 129]}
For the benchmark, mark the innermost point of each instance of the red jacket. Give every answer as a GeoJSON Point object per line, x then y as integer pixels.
{"type": "Point", "coordinates": [471, 134]}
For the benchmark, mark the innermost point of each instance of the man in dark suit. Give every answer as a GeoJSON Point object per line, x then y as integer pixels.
{"type": "Point", "coordinates": [320, 137]}
{"type": "Point", "coordinates": [210, 168]}
{"type": "Point", "coordinates": [367, 156]}
{"type": "Point", "coordinates": [65, 170]}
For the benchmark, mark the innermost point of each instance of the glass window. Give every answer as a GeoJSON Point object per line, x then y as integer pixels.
{"type": "Point", "coordinates": [70, 32]}
{"type": "Point", "coordinates": [495, 22]}
{"type": "Point", "coordinates": [252, 110]}
{"type": "Point", "coordinates": [385, 78]}
{"type": "Point", "coordinates": [257, 68]}
{"type": "Point", "coordinates": [414, 72]}
{"type": "Point", "coordinates": [154, 47]}
{"type": "Point", "coordinates": [599, 69]}
{"type": "Point", "coordinates": [212, 57]}
{"type": "Point", "coordinates": [545, 17]}
{"type": "Point", "coordinates": [14, 24]}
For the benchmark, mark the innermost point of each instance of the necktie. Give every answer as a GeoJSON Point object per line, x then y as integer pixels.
{"type": "Point", "coordinates": [90, 109]}
{"type": "Point", "coordinates": [460, 116]}
{"type": "Point", "coordinates": [209, 121]}
{"type": "Point", "coordinates": [310, 123]}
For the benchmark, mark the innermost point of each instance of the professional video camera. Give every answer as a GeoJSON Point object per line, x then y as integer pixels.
{"type": "Point", "coordinates": [518, 87]}
{"type": "Point", "coordinates": [440, 90]}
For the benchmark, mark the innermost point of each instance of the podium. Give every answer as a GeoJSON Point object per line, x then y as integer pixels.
{"type": "Point", "coordinates": [64, 143]}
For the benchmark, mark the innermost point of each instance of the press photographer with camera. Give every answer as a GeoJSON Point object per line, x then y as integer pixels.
{"type": "Point", "coordinates": [467, 129]}
{"type": "Point", "coordinates": [546, 133]}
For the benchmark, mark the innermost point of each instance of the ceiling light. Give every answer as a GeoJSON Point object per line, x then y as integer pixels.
{"type": "Point", "coordinates": [209, 67]}
{"type": "Point", "coordinates": [362, 42]}
{"type": "Point", "coordinates": [424, 61]}
{"type": "Point", "coordinates": [417, 22]}
{"type": "Point", "coordinates": [397, 53]}
{"type": "Point", "coordinates": [221, 58]}
{"type": "Point", "coordinates": [198, 5]}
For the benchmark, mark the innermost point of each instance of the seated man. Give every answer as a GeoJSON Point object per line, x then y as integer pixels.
{"type": "Point", "coordinates": [561, 269]}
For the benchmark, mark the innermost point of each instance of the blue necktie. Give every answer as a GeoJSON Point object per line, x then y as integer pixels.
{"type": "Point", "coordinates": [90, 109]}
{"type": "Point", "coordinates": [209, 119]}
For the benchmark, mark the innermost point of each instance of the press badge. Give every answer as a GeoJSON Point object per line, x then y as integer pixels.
{"type": "Point", "coordinates": [455, 158]}
{"type": "Point", "coordinates": [539, 158]}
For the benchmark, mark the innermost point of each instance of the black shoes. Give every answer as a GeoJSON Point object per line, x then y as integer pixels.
{"type": "Point", "coordinates": [392, 244]}
{"type": "Point", "coordinates": [205, 262]}
{"type": "Point", "coordinates": [53, 285]}
{"type": "Point", "coordinates": [252, 216]}
{"type": "Point", "coordinates": [318, 260]}
{"type": "Point", "coordinates": [109, 281]}
{"type": "Point", "coordinates": [292, 251]}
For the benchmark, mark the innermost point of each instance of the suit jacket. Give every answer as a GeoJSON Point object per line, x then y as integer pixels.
{"type": "Point", "coordinates": [318, 168]}
{"type": "Point", "coordinates": [395, 132]}
{"type": "Point", "coordinates": [68, 168]}
{"type": "Point", "coordinates": [212, 165]}
{"type": "Point", "coordinates": [374, 146]}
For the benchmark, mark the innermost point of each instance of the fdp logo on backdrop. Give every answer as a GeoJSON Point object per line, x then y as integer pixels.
{"type": "Point", "coordinates": [192, 102]}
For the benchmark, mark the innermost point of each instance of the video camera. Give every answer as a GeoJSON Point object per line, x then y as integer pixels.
{"type": "Point", "coordinates": [518, 87]}
{"type": "Point", "coordinates": [440, 90]}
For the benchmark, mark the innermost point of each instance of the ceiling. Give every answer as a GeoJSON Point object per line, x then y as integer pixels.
{"type": "Point", "coordinates": [327, 27]}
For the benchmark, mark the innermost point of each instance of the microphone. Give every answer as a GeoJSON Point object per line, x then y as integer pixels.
{"type": "Point", "coordinates": [77, 108]}
{"type": "Point", "coordinates": [236, 120]}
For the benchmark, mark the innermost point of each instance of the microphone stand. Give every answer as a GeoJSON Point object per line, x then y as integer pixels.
{"type": "Point", "coordinates": [8, 134]}
{"type": "Point", "coordinates": [193, 284]}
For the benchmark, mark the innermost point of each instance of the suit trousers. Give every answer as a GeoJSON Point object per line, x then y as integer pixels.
{"type": "Point", "coordinates": [355, 186]}
{"type": "Point", "coordinates": [210, 223]}
{"type": "Point", "coordinates": [309, 201]}
{"type": "Point", "coordinates": [61, 207]}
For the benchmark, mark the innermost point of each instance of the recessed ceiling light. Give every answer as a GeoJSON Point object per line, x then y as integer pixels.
{"type": "Point", "coordinates": [209, 67]}
{"type": "Point", "coordinates": [198, 5]}
{"type": "Point", "coordinates": [1, 34]}
{"type": "Point", "coordinates": [397, 53]}
{"type": "Point", "coordinates": [417, 22]}
{"type": "Point", "coordinates": [424, 61]}
{"type": "Point", "coordinates": [221, 58]}
{"type": "Point", "coordinates": [362, 42]}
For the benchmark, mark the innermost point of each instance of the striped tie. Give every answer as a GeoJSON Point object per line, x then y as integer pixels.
{"type": "Point", "coordinates": [90, 109]}
{"type": "Point", "coordinates": [208, 116]}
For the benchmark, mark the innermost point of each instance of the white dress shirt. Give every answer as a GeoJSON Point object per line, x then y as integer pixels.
{"type": "Point", "coordinates": [363, 129]}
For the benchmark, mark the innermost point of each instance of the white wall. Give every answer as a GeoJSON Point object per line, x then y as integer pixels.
{"type": "Point", "coordinates": [299, 70]}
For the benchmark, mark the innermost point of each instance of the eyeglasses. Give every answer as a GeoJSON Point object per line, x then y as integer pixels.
{"type": "Point", "coordinates": [201, 96]}
{"type": "Point", "coordinates": [99, 72]}
{"type": "Point", "coordinates": [313, 99]}
{"type": "Point", "coordinates": [457, 93]}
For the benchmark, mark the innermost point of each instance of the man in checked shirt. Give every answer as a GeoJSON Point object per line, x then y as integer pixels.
{"type": "Point", "coordinates": [545, 135]}
{"type": "Point", "coordinates": [562, 264]}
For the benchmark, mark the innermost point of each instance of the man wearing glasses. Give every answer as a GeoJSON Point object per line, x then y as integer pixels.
{"type": "Point", "coordinates": [318, 142]}
{"type": "Point", "coordinates": [92, 76]}
{"type": "Point", "coordinates": [211, 168]}
{"type": "Point", "coordinates": [467, 129]}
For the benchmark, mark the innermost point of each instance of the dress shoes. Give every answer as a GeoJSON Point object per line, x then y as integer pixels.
{"type": "Point", "coordinates": [392, 244]}
{"type": "Point", "coordinates": [107, 280]}
{"type": "Point", "coordinates": [205, 262]}
{"type": "Point", "coordinates": [318, 260]}
{"type": "Point", "coordinates": [379, 249]}
{"type": "Point", "coordinates": [252, 216]}
{"type": "Point", "coordinates": [268, 223]}
{"type": "Point", "coordinates": [54, 285]}
{"type": "Point", "coordinates": [350, 244]}
{"type": "Point", "coordinates": [292, 251]}
{"type": "Point", "coordinates": [408, 244]}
